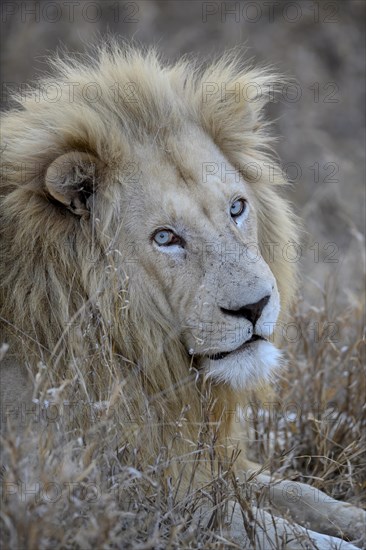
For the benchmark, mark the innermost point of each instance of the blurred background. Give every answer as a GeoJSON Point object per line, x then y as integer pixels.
{"type": "Point", "coordinates": [320, 118]}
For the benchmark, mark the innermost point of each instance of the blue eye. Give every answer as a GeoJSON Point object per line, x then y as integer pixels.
{"type": "Point", "coordinates": [162, 237]}
{"type": "Point", "coordinates": [237, 208]}
{"type": "Point", "coordinates": [166, 237]}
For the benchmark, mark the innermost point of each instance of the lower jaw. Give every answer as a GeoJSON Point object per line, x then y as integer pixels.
{"type": "Point", "coordinates": [244, 369]}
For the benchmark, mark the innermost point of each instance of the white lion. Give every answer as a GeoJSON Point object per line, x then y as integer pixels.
{"type": "Point", "coordinates": [138, 219]}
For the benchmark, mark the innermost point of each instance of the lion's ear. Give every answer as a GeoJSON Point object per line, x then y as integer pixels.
{"type": "Point", "coordinates": [71, 180]}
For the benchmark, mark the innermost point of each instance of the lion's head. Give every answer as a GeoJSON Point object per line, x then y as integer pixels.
{"type": "Point", "coordinates": [188, 242]}
{"type": "Point", "coordinates": [141, 206]}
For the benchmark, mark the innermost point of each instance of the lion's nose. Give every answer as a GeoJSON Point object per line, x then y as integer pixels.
{"type": "Point", "coordinates": [252, 312]}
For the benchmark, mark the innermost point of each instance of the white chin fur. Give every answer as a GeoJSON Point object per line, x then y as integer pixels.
{"type": "Point", "coordinates": [245, 368]}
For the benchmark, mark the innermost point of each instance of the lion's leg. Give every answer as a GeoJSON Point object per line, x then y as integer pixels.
{"type": "Point", "coordinates": [312, 507]}
{"type": "Point", "coordinates": [274, 532]}
{"type": "Point", "coordinates": [270, 532]}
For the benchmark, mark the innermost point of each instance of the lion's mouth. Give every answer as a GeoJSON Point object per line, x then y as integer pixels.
{"type": "Point", "coordinates": [221, 355]}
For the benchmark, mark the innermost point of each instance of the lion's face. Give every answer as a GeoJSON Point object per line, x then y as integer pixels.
{"type": "Point", "coordinates": [190, 228]}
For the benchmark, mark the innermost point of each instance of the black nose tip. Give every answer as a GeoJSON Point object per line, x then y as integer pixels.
{"type": "Point", "coordinates": [252, 312]}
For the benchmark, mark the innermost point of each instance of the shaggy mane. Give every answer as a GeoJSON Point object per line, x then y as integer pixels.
{"type": "Point", "coordinates": [58, 297]}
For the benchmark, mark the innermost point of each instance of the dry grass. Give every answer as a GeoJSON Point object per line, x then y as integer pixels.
{"type": "Point", "coordinates": [314, 431]}
{"type": "Point", "coordinates": [64, 489]}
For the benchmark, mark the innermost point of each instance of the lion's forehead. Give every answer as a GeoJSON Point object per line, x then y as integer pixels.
{"type": "Point", "coordinates": [185, 173]}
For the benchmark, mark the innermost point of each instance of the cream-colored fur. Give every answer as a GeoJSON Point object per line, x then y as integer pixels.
{"type": "Point", "coordinates": [85, 289]}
